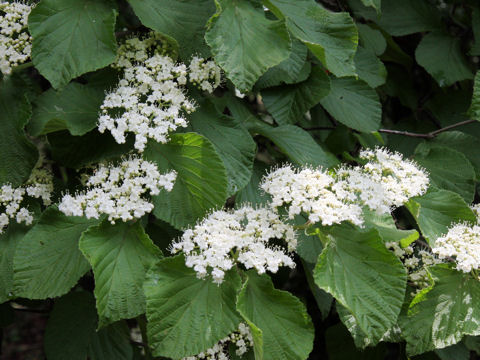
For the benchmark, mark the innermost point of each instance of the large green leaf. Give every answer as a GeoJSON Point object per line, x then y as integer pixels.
{"type": "Point", "coordinates": [252, 193]}
{"type": "Point", "coordinates": [376, 4]}
{"type": "Point", "coordinates": [440, 317]}
{"type": "Point", "coordinates": [184, 21]}
{"type": "Point", "coordinates": [17, 154]}
{"type": "Point", "coordinates": [72, 37]}
{"type": "Point", "coordinates": [294, 69]}
{"type": "Point", "coordinates": [231, 140]}
{"type": "Point", "coordinates": [353, 103]}
{"type": "Point", "coordinates": [474, 110]}
{"type": "Point", "coordinates": [331, 36]}
{"type": "Point", "coordinates": [287, 330]}
{"type": "Point", "coordinates": [448, 169]}
{"type": "Point", "coordinates": [288, 103]}
{"type": "Point", "coordinates": [120, 255]}
{"type": "Point", "coordinates": [441, 55]}
{"type": "Point", "coordinates": [372, 39]}
{"type": "Point", "coordinates": [475, 50]}
{"type": "Point", "coordinates": [8, 243]}
{"type": "Point", "coordinates": [237, 34]}
{"type": "Point", "coordinates": [70, 332]}
{"type": "Point", "coordinates": [461, 142]}
{"type": "Point", "coordinates": [358, 270]}
{"type": "Point", "coordinates": [400, 18]}
{"type": "Point", "coordinates": [201, 182]}
{"type": "Point", "coordinates": [437, 210]}
{"type": "Point", "coordinates": [75, 108]}
{"type": "Point", "coordinates": [369, 67]}
{"type": "Point", "coordinates": [296, 143]}
{"type": "Point", "coordinates": [47, 261]}
{"type": "Point", "coordinates": [187, 315]}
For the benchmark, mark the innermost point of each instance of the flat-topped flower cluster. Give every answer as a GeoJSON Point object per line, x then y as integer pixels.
{"type": "Point", "coordinates": [39, 186]}
{"type": "Point", "coordinates": [15, 41]}
{"type": "Point", "coordinates": [227, 237]}
{"type": "Point", "coordinates": [119, 191]}
{"type": "Point", "coordinates": [150, 99]}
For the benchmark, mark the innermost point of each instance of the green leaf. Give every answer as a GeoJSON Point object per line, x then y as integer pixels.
{"type": "Point", "coordinates": [8, 243]}
{"type": "Point", "coordinates": [401, 18]}
{"type": "Point", "coordinates": [187, 315]}
{"type": "Point", "coordinates": [70, 326]}
{"type": "Point", "coordinates": [296, 143]}
{"type": "Point", "coordinates": [442, 316]}
{"type": "Point", "coordinates": [441, 55]}
{"type": "Point", "coordinates": [370, 281]}
{"type": "Point", "coordinates": [294, 69]}
{"type": "Point", "coordinates": [369, 68]}
{"type": "Point", "coordinates": [474, 110]}
{"type": "Point", "coordinates": [461, 142]}
{"type": "Point", "coordinates": [120, 255]}
{"type": "Point", "coordinates": [112, 342]}
{"type": "Point", "coordinates": [287, 330]}
{"type": "Point", "coordinates": [332, 37]}
{"type": "Point", "coordinates": [236, 33]}
{"type": "Point", "coordinates": [17, 154]}
{"type": "Point", "coordinates": [353, 103]}
{"type": "Point", "coordinates": [371, 39]}
{"type": "Point", "coordinates": [231, 140]}
{"type": "Point", "coordinates": [376, 4]}
{"type": "Point", "coordinates": [201, 182]}
{"type": "Point", "coordinates": [78, 151]}
{"type": "Point", "coordinates": [288, 103]}
{"type": "Point", "coordinates": [75, 108]}
{"type": "Point", "coordinates": [47, 261]}
{"type": "Point", "coordinates": [448, 169]}
{"type": "Point", "coordinates": [184, 21]}
{"type": "Point", "coordinates": [437, 210]}
{"type": "Point", "coordinates": [385, 225]}
{"type": "Point", "coordinates": [72, 37]}
{"type": "Point", "coordinates": [475, 50]}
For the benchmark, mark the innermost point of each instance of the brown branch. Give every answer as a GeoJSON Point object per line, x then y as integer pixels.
{"type": "Point", "coordinates": [429, 135]}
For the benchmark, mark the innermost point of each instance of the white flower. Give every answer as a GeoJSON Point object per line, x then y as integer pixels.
{"type": "Point", "coordinates": [386, 181]}
{"type": "Point", "coordinates": [223, 238]}
{"type": "Point", "coordinates": [119, 191]}
{"type": "Point", "coordinates": [149, 101]}
{"type": "Point", "coordinates": [310, 191]}
{"type": "Point", "coordinates": [242, 338]}
{"type": "Point", "coordinates": [206, 75]}
{"type": "Point", "coordinates": [462, 241]}
{"type": "Point", "coordinates": [15, 41]}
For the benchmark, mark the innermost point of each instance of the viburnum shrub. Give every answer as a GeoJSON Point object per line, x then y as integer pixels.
{"type": "Point", "coordinates": [241, 179]}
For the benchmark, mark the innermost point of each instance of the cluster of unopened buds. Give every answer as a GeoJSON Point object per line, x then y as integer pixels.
{"type": "Point", "coordinates": [242, 340]}
{"type": "Point", "coordinates": [227, 237]}
{"type": "Point", "coordinates": [150, 99]}
{"type": "Point", "coordinates": [15, 41]}
{"type": "Point", "coordinates": [39, 186]}
{"type": "Point", "coordinates": [120, 191]}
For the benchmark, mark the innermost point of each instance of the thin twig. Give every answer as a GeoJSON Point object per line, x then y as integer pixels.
{"type": "Point", "coordinates": [429, 135]}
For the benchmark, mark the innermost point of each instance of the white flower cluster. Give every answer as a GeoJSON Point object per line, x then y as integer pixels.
{"type": "Point", "coordinates": [204, 74]}
{"type": "Point", "coordinates": [310, 191]}
{"type": "Point", "coordinates": [242, 338]}
{"type": "Point", "coordinates": [15, 41]}
{"type": "Point", "coordinates": [39, 185]}
{"type": "Point", "coordinates": [462, 241]}
{"type": "Point", "coordinates": [386, 181]}
{"type": "Point", "coordinates": [119, 191]}
{"type": "Point", "coordinates": [225, 237]}
{"type": "Point", "coordinates": [149, 101]}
